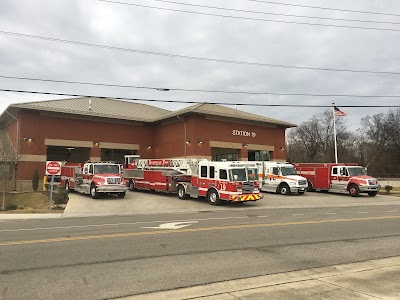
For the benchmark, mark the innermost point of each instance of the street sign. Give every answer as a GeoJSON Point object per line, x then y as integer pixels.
{"type": "Point", "coordinates": [53, 168]}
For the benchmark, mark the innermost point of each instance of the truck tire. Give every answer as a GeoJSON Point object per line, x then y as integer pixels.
{"type": "Point", "coordinates": [310, 187]}
{"type": "Point", "coordinates": [93, 191]}
{"type": "Point", "coordinates": [67, 187]}
{"type": "Point", "coordinates": [181, 192]}
{"type": "Point", "coordinates": [372, 194]}
{"type": "Point", "coordinates": [354, 191]}
{"type": "Point", "coordinates": [284, 189]}
{"type": "Point", "coordinates": [213, 198]}
{"type": "Point", "coordinates": [121, 195]}
{"type": "Point", "coordinates": [131, 185]}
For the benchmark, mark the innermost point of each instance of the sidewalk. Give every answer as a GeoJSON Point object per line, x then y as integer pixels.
{"type": "Point", "coordinates": [375, 279]}
{"type": "Point", "coordinates": [4, 217]}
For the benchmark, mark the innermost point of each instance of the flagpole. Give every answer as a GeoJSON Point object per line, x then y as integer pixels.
{"type": "Point", "coordinates": [334, 129]}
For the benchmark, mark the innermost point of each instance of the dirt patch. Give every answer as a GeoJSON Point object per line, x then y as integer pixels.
{"type": "Point", "coordinates": [29, 202]}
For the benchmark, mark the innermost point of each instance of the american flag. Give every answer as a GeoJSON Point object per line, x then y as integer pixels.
{"type": "Point", "coordinates": [338, 112]}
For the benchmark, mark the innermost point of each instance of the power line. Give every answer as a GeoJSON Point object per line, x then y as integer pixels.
{"type": "Point", "coordinates": [327, 8]}
{"type": "Point", "coordinates": [250, 18]}
{"type": "Point", "coordinates": [198, 90]}
{"type": "Point", "coordinates": [194, 102]}
{"type": "Point", "coordinates": [198, 58]}
{"type": "Point", "coordinates": [260, 12]}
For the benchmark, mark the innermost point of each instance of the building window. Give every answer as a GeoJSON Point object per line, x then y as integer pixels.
{"type": "Point", "coordinates": [227, 157]}
{"type": "Point", "coordinates": [259, 155]}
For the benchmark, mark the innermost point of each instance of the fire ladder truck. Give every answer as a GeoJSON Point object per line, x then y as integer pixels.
{"type": "Point", "coordinates": [216, 181]}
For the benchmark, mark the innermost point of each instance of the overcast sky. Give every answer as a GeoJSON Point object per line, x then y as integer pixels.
{"type": "Point", "coordinates": [140, 28]}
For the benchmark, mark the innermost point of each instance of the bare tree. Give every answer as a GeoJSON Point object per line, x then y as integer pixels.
{"type": "Point", "coordinates": [313, 141]}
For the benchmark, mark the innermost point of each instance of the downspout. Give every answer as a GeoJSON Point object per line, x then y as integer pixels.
{"type": "Point", "coordinates": [17, 148]}
{"type": "Point", "coordinates": [184, 129]}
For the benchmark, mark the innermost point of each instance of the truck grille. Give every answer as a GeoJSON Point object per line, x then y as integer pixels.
{"type": "Point", "coordinates": [302, 182]}
{"type": "Point", "coordinates": [248, 187]}
{"type": "Point", "coordinates": [114, 180]}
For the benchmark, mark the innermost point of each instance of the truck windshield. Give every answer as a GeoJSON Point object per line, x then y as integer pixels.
{"type": "Point", "coordinates": [252, 173]}
{"type": "Point", "coordinates": [240, 174]}
{"type": "Point", "coordinates": [106, 169]}
{"type": "Point", "coordinates": [288, 171]}
{"type": "Point", "coordinates": [356, 171]}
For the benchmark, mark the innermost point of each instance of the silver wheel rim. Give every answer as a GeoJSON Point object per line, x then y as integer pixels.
{"type": "Point", "coordinates": [131, 185]}
{"type": "Point", "coordinates": [180, 192]}
{"type": "Point", "coordinates": [93, 191]}
{"type": "Point", "coordinates": [213, 197]}
{"type": "Point", "coordinates": [283, 190]}
{"type": "Point", "coordinates": [67, 186]}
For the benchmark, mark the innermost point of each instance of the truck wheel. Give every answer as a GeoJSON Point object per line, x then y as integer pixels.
{"type": "Point", "coordinates": [131, 185]}
{"type": "Point", "coordinates": [284, 189]}
{"type": "Point", "coordinates": [213, 198]}
{"type": "Point", "coordinates": [67, 188]}
{"type": "Point", "coordinates": [354, 191]}
{"type": "Point", "coordinates": [310, 187]}
{"type": "Point", "coordinates": [121, 195]}
{"type": "Point", "coordinates": [181, 192]}
{"type": "Point", "coordinates": [93, 191]}
{"type": "Point", "coordinates": [372, 194]}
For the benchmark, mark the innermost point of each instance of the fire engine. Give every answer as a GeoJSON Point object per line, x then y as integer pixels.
{"type": "Point", "coordinates": [341, 178]}
{"type": "Point", "coordinates": [94, 178]}
{"type": "Point", "coordinates": [277, 177]}
{"type": "Point", "coordinates": [217, 181]}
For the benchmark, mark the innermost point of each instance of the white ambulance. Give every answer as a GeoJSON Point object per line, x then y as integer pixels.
{"type": "Point", "coordinates": [278, 177]}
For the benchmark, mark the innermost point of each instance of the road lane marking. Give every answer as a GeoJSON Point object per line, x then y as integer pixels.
{"type": "Point", "coordinates": [297, 214]}
{"type": "Point", "coordinates": [362, 212]}
{"type": "Point", "coordinates": [330, 213]}
{"type": "Point", "coordinates": [392, 211]}
{"type": "Point", "coordinates": [174, 225]}
{"type": "Point", "coordinates": [186, 230]}
{"type": "Point", "coordinates": [116, 224]}
{"type": "Point", "coordinates": [262, 216]}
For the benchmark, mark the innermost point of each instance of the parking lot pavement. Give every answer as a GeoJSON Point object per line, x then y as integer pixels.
{"type": "Point", "coordinates": [141, 202]}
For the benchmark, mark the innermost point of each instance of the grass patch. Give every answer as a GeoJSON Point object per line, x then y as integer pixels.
{"type": "Point", "coordinates": [31, 202]}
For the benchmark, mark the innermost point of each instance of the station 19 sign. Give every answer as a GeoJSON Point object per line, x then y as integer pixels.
{"type": "Point", "coordinates": [53, 168]}
{"type": "Point", "coordinates": [244, 133]}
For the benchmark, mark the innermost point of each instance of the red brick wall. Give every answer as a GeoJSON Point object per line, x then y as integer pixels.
{"type": "Point", "coordinates": [41, 127]}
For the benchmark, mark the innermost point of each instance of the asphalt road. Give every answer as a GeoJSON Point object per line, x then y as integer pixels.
{"type": "Point", "coordinates": [109, 257]}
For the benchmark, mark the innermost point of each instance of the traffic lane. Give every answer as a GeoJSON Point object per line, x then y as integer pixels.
{"type": "Point", "coordinates": [124, 225]}
{"type": "Point", "coordinates": [112, 276]}
{"type": "Point", "coordinates": [153, 243]}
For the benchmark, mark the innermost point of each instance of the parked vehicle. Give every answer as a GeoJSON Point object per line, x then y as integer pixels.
{"type": "Point", "coordinates": [341, 178]}
{"type": "Point", "coordinates": [217, 181]}
{"type": "Point", "coordinates": [94, 178]}
{"type": "Point", "coordinates": [278, 177]}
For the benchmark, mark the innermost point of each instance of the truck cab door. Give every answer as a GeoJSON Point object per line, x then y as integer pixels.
{"type": "Point", "coordinates": [343, 178]}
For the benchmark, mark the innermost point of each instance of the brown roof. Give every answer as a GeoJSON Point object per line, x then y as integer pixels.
{"type": "Point", "coordinates": [99, 107]}
{"type": "Point", "coordinates": [227, 112]}
{"type": "Point", "coordinates": [119, 109]}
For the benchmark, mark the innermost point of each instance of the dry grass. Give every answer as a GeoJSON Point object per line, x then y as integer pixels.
{"type": "Point", "coordinates": [32, 202]}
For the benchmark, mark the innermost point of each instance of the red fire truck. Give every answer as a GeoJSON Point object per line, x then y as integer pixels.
{"type": "Point", "coordinates": [94, 178]}
{"type": "Point", "coordinates": [341, 178]}
{"type": "Point", "coordinates": [194, 178]}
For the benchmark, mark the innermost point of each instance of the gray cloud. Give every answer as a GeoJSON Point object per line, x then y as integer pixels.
{"type": "Point", "coordinates": [195, 35]}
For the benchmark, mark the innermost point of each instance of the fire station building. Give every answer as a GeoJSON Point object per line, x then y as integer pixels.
{"type": "Point", "coordinates": [101, 129]}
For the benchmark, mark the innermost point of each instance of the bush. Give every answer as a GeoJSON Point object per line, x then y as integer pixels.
{"type": "Point", "coordinates": [35, 180]}
{"type": "Point", "coordinates": [388, 188]}
{"type": "Point", "coordinates": [61, 197]}
{"type": "Point", "coordinates": [11, 206]}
